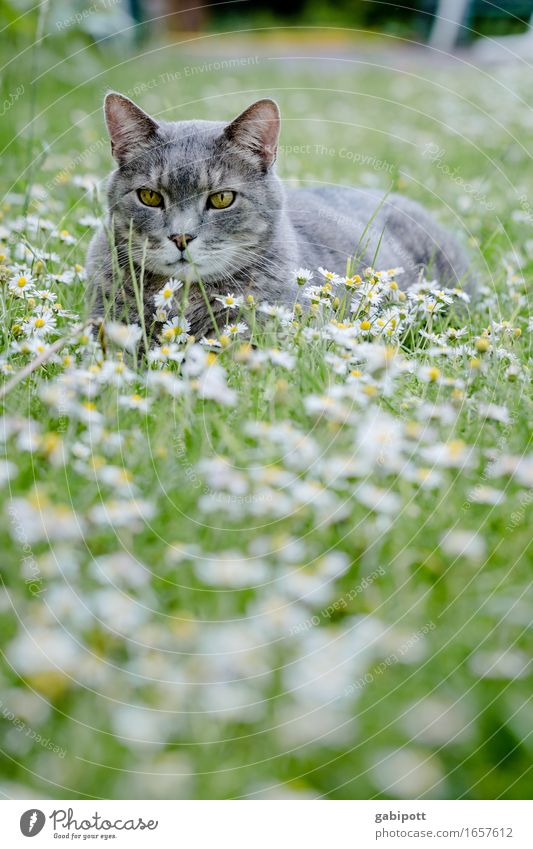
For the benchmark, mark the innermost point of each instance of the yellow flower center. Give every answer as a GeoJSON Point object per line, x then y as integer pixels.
{"type": "Point", "coordinates": [39, 322]}
{"type": "Point", "coordinates": [456, 447]}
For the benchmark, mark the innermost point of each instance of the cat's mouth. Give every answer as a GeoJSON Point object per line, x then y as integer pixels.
{"type": "Point", "coordinates": [180, 262]}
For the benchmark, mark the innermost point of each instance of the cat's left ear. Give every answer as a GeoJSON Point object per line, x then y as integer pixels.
{"type": "Point", "coordinates": [256, 130]}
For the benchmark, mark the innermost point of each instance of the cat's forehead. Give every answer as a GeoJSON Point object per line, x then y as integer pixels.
{"type": "Point", "coordinates": [190, 157]}
{"type": "Point", "coordinates": [190, 138]}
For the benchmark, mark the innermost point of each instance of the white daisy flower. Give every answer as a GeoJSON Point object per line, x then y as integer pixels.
{"type": "Point", "coordinates": [230, 301]}
{"type": "Point", "coordinates": [330, 276]}
{"type": "Point", "coordinates": [135, 402]}
{"type": "Point", "coordinates": [125, 335]}
{"type": "Point", "coordinates": [165, 296]}
{"type": "Point", "coordinates": [43, 322]}
{"type": "Point", "coordinates": [235, 329]}
{"type": "Point", "coordinates": [302, 276]}
{"type": "Point", "coordinates": [175, 329]}
{"type": "Point", "coordinates": [66, 237]}
{"type": "Point", "coordinates": [167, 352]}
{"type": "Point", "coordinates": [21, 285]}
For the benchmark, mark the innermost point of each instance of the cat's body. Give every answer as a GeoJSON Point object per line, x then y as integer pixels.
{"type": "Point", "coordinates": [252, 244]}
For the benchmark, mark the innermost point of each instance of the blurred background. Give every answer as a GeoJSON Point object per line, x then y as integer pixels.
{"type": "Point", "coordinates": [443, 24]}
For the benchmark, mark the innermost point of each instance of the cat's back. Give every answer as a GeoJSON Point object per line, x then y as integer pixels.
{"type": "Point", "coordinates": [386, 229]}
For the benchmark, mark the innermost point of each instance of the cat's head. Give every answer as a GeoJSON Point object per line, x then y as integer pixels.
{"type": "Point", "coordinates": [194, 198]}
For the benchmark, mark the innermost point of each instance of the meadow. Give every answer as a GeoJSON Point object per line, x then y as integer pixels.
{"type": "Point", "coordinates": [292, 565]}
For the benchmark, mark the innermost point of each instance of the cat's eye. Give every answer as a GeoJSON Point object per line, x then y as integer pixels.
{"type": "Point", "coordinates": [149, 197]}
{"type": "Point", "coordinates": [221, 200]}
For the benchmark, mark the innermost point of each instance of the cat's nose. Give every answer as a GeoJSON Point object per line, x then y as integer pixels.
{"type": "Point", "coordinates": [181, 240]}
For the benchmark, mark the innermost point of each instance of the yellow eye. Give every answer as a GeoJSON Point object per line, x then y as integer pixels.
{"type": "Point", "coordinates": [149, 197]}
{"type": "Point", "coordinates": [221, 200]}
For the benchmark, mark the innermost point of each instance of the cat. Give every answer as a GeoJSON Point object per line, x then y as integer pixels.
{"type": "Point", "coordinates": [201, 201]}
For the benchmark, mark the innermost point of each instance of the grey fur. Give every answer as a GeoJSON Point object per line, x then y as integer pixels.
{"type": "Point", "coordinates": [252, 246]}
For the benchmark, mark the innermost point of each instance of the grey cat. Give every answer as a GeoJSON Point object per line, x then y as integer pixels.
{"type": "Point", "coordinates": [200, 200]}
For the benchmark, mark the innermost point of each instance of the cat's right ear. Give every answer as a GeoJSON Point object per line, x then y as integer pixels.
{"type": "Point", "coordinates": [130, 129]}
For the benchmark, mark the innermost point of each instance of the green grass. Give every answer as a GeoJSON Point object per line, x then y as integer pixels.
{"type": "Point", "coordinates": [131, 682]}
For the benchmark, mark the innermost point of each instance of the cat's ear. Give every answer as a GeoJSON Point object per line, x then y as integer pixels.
{"type": "Point", "coordinates": [130, 129]}
{"type": "Point", "coordinates": [256, 130]}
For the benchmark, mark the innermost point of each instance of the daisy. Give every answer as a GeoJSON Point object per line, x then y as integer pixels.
{"type": "Point", "coordinates": [135, 402]}
{"type": "Point", "coordinates": [43, 322]}
{"type": "Point", "coordinates": [115, 373]}
{"type": "Point", "coordinates": [459, 293]}
{"type": "Point", "coordinates": [330, 276]}
{"type": "Point", "coordinates": [364, 327]}
{"type": "Point", "coordinates": [276, 311]}
{"type": "Point", "coordinates": [235, 329]}
{"type": "Point", "coordinates": [210, 342]}
{"type": "Point", "coordinates": [302, 276]}
{"type": "Point", "coordinates": [165, 353]}
{"type": "Point", "coordinates": [122, 512]}
{"type": "Point", "coordinates": [318, 294]}
{"type": "Point", "coordinates": [21, 285]}
{"type": "Point", "coordinates": [66, 237]}
{"type": "Point", "coordinates": [165, 296]}
{"type": "Point", "coordinates": [456, 332]}
{"type": "Point", "coordinates": [163, 381]}
{"type": "Point", "coordinates": [454, 454]}
{"type": "Point", "coordinates": [175, 329]}
{"type": "Point", "coordinates": [67, 277]}
{"type": "Point", "coordinates": [432, 306]}
{"type": "Point", "coordinates": [116, 477]}
{"type": "Point", "coordinates": [373, 296]}
{"type": "Point", "coordinates": [353, 282]}
{"type": "Point", "coordinates": [45, 295]}
{"type": "Point", "coordinates": [90, 221]}
{"type": "Point", "coordinates": [160, 315]}
{"type": "Point", "coordinates": [281, 358]}
{"type": "Point", "coordinates": [125, 335]}
{"type": "Point", "coordinates": [429, 374]}
{"type": "Point", "coordinates": [230, 301]}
